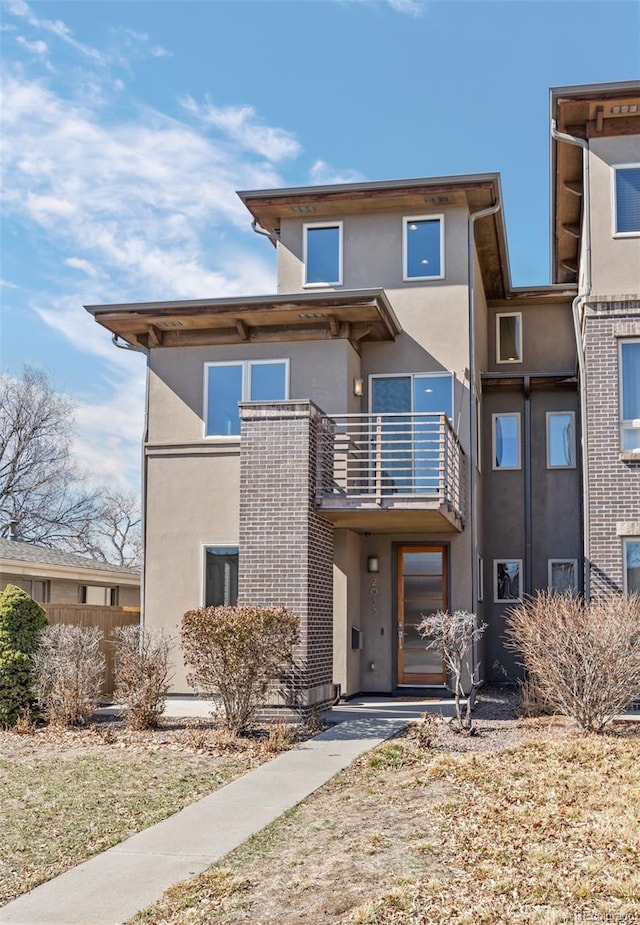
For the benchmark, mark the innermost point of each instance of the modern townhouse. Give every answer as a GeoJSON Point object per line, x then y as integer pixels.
{"type": "Point", "coordinates": [399, 429]}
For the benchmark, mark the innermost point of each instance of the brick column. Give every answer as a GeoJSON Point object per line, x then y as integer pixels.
{"type": "Point", "coordinates": [286, 549]}
{"type": "Point", "coordinates": [614, 479]}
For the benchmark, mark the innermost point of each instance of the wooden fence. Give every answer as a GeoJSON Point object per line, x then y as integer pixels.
{"type": "Point", "coordinates": [106, 619]}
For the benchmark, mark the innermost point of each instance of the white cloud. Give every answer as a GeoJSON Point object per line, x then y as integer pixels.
{"type": "Point", "coordinates": [411, 7]}
{"type": "Point", "coordinates": [322, 174]}
{"type": "Point", "coordinates": [77, 263]}
{"type": "Point", "coordinates": [243, 126]}
{"type": "Point", "coordinates": [38, 47]}
{"type": "Point", "coordinates": [55, 27]}
{"type": "Point", "coordinates": [8, 285]}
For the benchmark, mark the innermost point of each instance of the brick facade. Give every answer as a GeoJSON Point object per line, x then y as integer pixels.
{"type": "Point", "coordinates": [286, 549]}
{"type": "Point", "coordinates": [614, 477]}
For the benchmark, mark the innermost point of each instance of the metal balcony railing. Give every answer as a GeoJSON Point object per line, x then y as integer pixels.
{"type": "Point", "coordinates": [385, 458]}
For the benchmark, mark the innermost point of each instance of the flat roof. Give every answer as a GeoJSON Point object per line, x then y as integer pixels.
{"type": "Point", "coordinates": [357, 315]}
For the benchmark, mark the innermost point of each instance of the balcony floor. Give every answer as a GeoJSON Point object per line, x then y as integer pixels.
{"type": "Point", "coordinates": [393, 515]}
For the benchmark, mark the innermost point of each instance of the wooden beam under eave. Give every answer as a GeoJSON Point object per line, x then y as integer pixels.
{"type": "Point", "coordinates": [573, 186]}
{"type": "Point", "coordinates": [242, 329]}
{"type": "Point", "coordinates": [155, 336]}
{"type": "Point", "coordinates": [573, 230]}
{"type": "Point", "coordinates": [334, 327]}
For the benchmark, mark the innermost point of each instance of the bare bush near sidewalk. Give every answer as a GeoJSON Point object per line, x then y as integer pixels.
{"type": "Point", "coordinates": [234, 652]}
{"type": "Point", "coordinates": [584, 659]}
{"type": "Point", "coordinates": [69, 673]}
{"type": "Point", "coordinates": [456, 634]}
{"type": "Point", "coordinates": [142, 674]}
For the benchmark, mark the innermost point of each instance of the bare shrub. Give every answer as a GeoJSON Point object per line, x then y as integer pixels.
{"type": "Point", "coordinates": [584, 659]}
{"type": "Point", "coordinates": [234, 652]}
{"type": "Point", "coordinates": [455, 634]}
{"type": "Point", "coordinates": [69, 673]}
{"type": "Point", "coordinates": [532, 702]}
{"type": "Point", "coordinates": [281, 737]}
{"type": "Point", "coordinates": [142, 674]}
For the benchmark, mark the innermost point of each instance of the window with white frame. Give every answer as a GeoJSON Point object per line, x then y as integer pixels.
{"type": "Point", "coordinates": [626, 199]}
{"type": "Point", "coordinates": [631, 559]}
{"type": "Point", "coordinates": [509, 337]}
{"type": "Point", "coordinates": [507, 580]}
{"type": "Point", "coordinates": [322, 255]}
{"type": "Point", "coordinates": [563, 575]}
{"type": "Point", "coordinates": [506, 440]}
{"type": "Point", "coordinates": [561, 440]}
{"type": "Point", "coordinates": [423, 247]}
{"type": "Point", "coordinates": [480, 565]}
{"type": "Point", "coordinates": [630, 395]}
{"type": "Point", "coordinates": [220, 576]}
{"type": "Point", "coordinates": [226, 384]}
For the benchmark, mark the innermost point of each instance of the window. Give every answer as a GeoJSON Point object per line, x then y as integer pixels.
{"type": "Point", "coordinates": [507, 580]}
{"type": "Point", "coordinates": [509, 337]}
{"type": "Point", "coordinates": [38, 590]}
{"type": "Point", "coordinates": [480, 579]}
{"type": "Point", "coordinates": [561, 440]}
{"type": "Point", "coordinates": [98, 595]}
{"type": "Point", "coordinates": [630, 395]}
{"type": "Point", "coordinates": [563, 575]}
{"type": "Point", "coordinates": [506, 441]}
{"type": "Point", "coordinates": [226, 384]}
{"type": "Point", "coordinates": [220, 575]}
{"type": "Point", "coordinates": [627, 199]}
{"type": "Point", "coordinates": [631, 553]}
{"type": "Point", "coordinates": [323, 254]}
{"type": "Point", "coordinates": [422, 241]}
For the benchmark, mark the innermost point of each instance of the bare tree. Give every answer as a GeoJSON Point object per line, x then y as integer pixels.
{"type": "Point", "coordinates": [44, 491]}
{"type": "Point", "coordinates": [40, 486]}
{"type": "Point", "coordinates": [116, 535]}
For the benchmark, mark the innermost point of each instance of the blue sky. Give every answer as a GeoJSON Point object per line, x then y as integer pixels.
{"type": "Point", "coordinates": [127, 127]}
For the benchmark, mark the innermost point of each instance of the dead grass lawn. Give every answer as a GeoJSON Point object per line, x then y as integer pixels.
{"type": "Point", "coordinates": [544, 831]}
{"type": "Point", "coordinates": [68, 795]}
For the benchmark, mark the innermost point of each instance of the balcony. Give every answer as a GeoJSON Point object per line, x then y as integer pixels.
{"type": "Point", "coordinates": [388, 473]}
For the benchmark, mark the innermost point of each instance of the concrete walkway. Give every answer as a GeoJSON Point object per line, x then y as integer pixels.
{"type": "Point", "coordinates": [111, 887]}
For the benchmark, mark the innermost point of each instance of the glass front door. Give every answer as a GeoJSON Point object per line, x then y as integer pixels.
{"type": "Point", "coordinates": [422, 590]}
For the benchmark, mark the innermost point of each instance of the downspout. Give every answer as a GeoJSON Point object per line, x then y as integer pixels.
{"type": "Point", "coordinates": [273, 235]}
{"type": "Point", "coordinates": [528, 524]}
{"type": "Point", "coordinates": [473, 423]}
{"type": "Point", "coordinates": [577, 310]}
{"type": "Point", "coordinates": [143, 487]}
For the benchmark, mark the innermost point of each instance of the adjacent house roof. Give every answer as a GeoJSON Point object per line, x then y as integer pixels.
{"type": "Point", "coordinates": [590, 111]}
{"type": "Point", "coordinates": [25, 556]}
{"type": "Point", "coordinates": [358, 315]}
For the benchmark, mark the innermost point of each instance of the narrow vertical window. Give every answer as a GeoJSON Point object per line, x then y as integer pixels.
{"type": "Point", "coordinates": [480, 566]}
{"type": "Point", "coordinates": [423, 240]}
{"type": "Point", "coordinates": [627, 200]}
{"type": "Point", "coordinates": [563, 575]}
{"type": "Point", "coordinates": [220, 575]}
{"type": "Point", "coordinates": [631, 552]}
{"type": "Point", "coordinates": [561, 440]}
{"type": "Point", "coordinates": [506, 441]}
{"type": "Point", "coordinates": [507, 580]}
{"type": "Point", "coordinates": [630, 394]}
{"type": "Point", "coordinates": [323, 254]}
{"type": "Point", "coordinates": [509, 337]}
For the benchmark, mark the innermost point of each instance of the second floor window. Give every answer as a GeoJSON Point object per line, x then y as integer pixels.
{"type": "Point", "coordinates": [630, 394]}
{"type": "Point", "coordinates": [561, 440]}
{"type": "Point", "coordinates": [627, 199]}
{"type": "Point", "coordinates": [323, 254]}
{"type": "Point", "coordinates": [506, 441]}
{"type": "Point", "coordinates": [226, 384]}
{"type": "Point", "coordinates": [423, 245]}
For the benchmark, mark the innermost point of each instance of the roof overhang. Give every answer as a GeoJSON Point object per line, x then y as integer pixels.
{"type": "Point", "coordinates": [357, 315]}
{"type": "Point", "coordinates": [50, 570]}
{"type": "Point", "coordinates": [474, 192]}
{"type": "Point", "coordinates": [593, 111]}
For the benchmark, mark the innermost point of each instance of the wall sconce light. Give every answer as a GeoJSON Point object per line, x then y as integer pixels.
{"type": "Point", "coordinates": [358, 387]}
{"type": "Point", "coordinates": [373, 565]}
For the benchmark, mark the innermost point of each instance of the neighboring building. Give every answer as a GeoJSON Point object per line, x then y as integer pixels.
{"type": "Point", "coordinates": [53, 577]}
{"type": "Point", "coordinates": [399, 429]}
